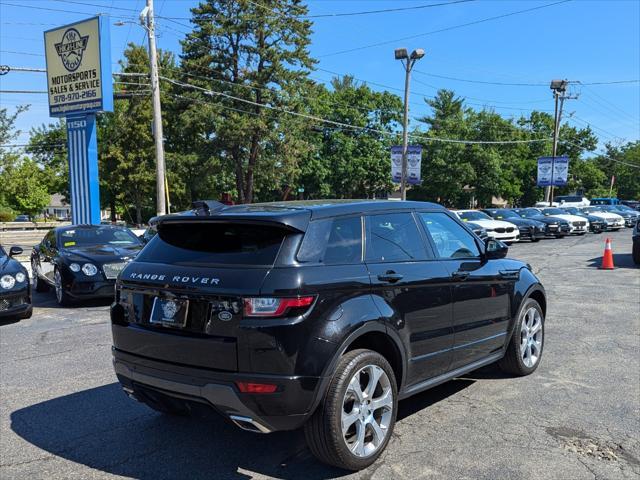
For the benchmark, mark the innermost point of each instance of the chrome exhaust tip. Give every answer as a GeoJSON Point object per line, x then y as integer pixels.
{"type": "Point", "coordinates": [248, 424]}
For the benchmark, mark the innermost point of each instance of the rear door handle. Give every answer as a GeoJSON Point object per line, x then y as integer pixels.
{"type": "Point", "coordinates": [390, 276]}
{"type": "Point", "coordinates": [460, 275]}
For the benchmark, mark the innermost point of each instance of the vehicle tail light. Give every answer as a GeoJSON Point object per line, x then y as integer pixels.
{"type": "Point", "coordinates": [246, 387]}
{"type": "Point", "coordinates": [274, 306]}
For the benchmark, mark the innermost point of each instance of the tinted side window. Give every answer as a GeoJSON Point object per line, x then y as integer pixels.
{"type": "Point", "coordinates": [332, 241]}
{"type": "Point", "coordinates": [394, 238]}
{"type": "Point", "coordinates": [450, 239]}
{"type": "Point", "coordinates": [50, 239]}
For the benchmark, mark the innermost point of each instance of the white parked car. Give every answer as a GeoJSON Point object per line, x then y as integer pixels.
{"type": "Point", "coordinates": [579, 225]}
{"type": "Point", "coordinates": [571, 201]}
{"type": "Point", "coordinates": [498, 229]}
{"type": "Point", "coordinates": [613, 220]}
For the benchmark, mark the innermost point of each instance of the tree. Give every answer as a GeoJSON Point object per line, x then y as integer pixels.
{"type": "Point", "coordinates": [624, 163]}
{"type": "Point", "coordinates": [25, 187]}
{"type": "Point", "coordinates": [250, 54]}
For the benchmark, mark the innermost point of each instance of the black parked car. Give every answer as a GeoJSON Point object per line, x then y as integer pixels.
{"type": "Point", "coordinates": [596, 224]}
{"type": "Point", "coordinates": [15, 288]}
{"type": "Point", "coordinates": [530, 229]}
{"type": "Point", "coordinates": [322, 314]}
{"type": "Point", "coordinates": [82, 261]}
{"type": "Point", "coordinates": [555, 227]}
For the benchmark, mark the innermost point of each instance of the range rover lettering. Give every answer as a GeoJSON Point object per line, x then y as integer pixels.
{"type": "Point", "coordinates": [320, 314]}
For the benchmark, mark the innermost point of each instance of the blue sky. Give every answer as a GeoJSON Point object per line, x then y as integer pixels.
{"type": "Point", "coordinates": [587, 41]}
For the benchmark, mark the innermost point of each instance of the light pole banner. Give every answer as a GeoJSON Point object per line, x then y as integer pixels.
{"type": "Point", "coordinates": [414, 163]}
{"type": "Point", "coordinates": [560, 171]}
{"type": "Point", "coordinates": [553, 171]}
{"type": "Point", "coordinates": [79, 68]}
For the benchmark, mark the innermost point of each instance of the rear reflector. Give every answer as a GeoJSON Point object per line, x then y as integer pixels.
{"type": "Point", "coordinates": [246, 387]}
{"type": "Point", "coordinates": [273, 306]}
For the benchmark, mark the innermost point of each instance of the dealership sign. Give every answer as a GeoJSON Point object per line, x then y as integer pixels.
{"type": "Point", "coordinates": [553, 171]}
{"type": "Point", "coordinates": [79, 85]}
{"type": "Point", "coordinates": [414, 162]}
{"type": "Point", "coordinates": [79, 68]}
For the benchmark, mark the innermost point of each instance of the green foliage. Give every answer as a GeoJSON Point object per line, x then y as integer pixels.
{"type": "Point", "coordinates": [25, 186]}
{"type": "Point", "coordinates": [7, 214]}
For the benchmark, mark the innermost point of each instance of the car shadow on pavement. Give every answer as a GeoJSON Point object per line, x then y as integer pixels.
{"type": "Point", "coordinates": [620, 260]}
{"type": "Point", "coordinates": [48, 300]}
{"type": "Point", "coordinates": [105, 430]}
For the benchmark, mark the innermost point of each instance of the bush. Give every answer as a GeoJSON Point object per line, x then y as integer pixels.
{"type": "Point", "coordinates": [6, 214]}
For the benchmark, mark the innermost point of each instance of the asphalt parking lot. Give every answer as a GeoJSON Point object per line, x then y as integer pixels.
{"type": "Point", "coordinates": [63, 415]}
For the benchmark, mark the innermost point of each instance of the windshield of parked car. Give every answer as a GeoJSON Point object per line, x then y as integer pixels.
{"type": "Point", "coordinates": [625, 208]}
{"type": "Point", "coordinates": [502, 214]}
{"type": "Point", "coordinates": [611, 208]}
{"type": "Point", "coordinates": [83, 237]}
{"type": "Point", "coordinates": [591, 210]}
{"type": "Point", "coordinates": [470, 216]}
{"type": "Point", "coordinates": [553, 211]}
{"type": "Point", "coordinates": [529, 212]}
{"type": "Point", "coordinates": [567, 198]}
{"type": "Point", "coordinates": [571, 210]}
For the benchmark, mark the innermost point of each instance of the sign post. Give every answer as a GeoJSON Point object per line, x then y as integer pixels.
{"type": "Point", "coordinates": [79, 85]}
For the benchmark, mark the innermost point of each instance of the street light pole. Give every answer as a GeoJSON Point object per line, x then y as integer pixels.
{"type": "Point", "coordinates": [559, 88]}
{"type": "Point", "coordinates": [146, 16]}
{"type": "Point", "coordinates": [409, 61]}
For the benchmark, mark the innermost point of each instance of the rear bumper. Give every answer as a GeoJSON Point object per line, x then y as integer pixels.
{"type": "Point", "coordinates": [286, 409]}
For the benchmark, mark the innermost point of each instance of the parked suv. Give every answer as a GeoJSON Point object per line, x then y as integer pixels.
{"type": "Point", "coordinates": [319, 314]}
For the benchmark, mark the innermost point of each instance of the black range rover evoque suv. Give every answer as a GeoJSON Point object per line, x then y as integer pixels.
{"type": "Point", "coordinates": [318, 314]}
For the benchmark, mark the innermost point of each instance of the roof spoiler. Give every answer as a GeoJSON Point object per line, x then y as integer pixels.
{"type": "Point", "coordinates": [205, 207]}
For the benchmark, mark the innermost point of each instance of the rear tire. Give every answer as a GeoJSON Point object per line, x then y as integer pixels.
{"type": "Point", "coordinates": [524, 351]}
{"type": "Point", "coordinates": [353, 425]}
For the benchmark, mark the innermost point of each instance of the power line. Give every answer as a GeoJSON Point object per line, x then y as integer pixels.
{"type": "Point", "coordinates": [446, 77]}
{"type": "Point", "coordinates": [23, 53]}
{"type": "Point", "coordinates": [475, 22]}
{"type": "Point", "coordinates": [603, 155]}
{"type": "Point", "coordinates": [49, 9]}
{"type": "Point", "coordinates": [345, 125]}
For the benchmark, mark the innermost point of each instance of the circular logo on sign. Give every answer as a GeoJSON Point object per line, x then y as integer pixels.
{"type": "Point", "coordinates": [71, 48]}
{"type": "Point", "coordinates": [225, 316]}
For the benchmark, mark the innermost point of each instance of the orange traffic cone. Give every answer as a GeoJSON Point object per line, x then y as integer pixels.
{"type": "Point", "coordinates": [607, 258]}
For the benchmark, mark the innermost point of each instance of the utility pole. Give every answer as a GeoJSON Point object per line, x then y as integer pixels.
{"type": "Point", "coordinates": [408, 63]}
{"type": "Point", "coordinates": [559, 88]}
{"type": "Point", "coordinates": [147, 21]}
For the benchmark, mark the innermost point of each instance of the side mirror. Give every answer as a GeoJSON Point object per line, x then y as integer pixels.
{"type": "Point", "coordinates": [13, 251]}
{"type": "Point", "coordinates": [494, 249]}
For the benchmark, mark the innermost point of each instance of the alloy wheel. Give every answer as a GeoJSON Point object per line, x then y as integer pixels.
{"type": "Point", "coordinates": [57, 279]}
{"type": "Point", "coordinates": [531, 337]}
{"type": "Point", "coordinates": [367, 410]}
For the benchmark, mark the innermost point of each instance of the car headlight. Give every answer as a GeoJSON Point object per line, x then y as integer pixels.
{"type": "Point", "coordinates": [74, 267]}
{"type": "Point", "coordinates": [20, 277]}
{"type": "Point", "coordinates": [89, 269]}
{"type": "Point", "coordinates": [7, 281]}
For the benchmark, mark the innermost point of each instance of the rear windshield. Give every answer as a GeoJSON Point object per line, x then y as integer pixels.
{"type": "Point", "coordinates": [209, 243]}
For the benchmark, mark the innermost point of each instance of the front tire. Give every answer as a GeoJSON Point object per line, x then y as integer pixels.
{"type": "Point", "coordinates": [62, 297]}
{"type": "Point", "coordinates": [524, 351]}
{"type": "Point", "coordinates": [353, 424]}
{"type": "Point", "coordinates": [38, 284]}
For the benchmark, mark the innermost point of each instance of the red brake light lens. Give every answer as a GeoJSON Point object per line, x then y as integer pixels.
{"type": "Point", "coordinates": [246, 387]}
{"type": "Point", "coordinates": [274, 306]}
